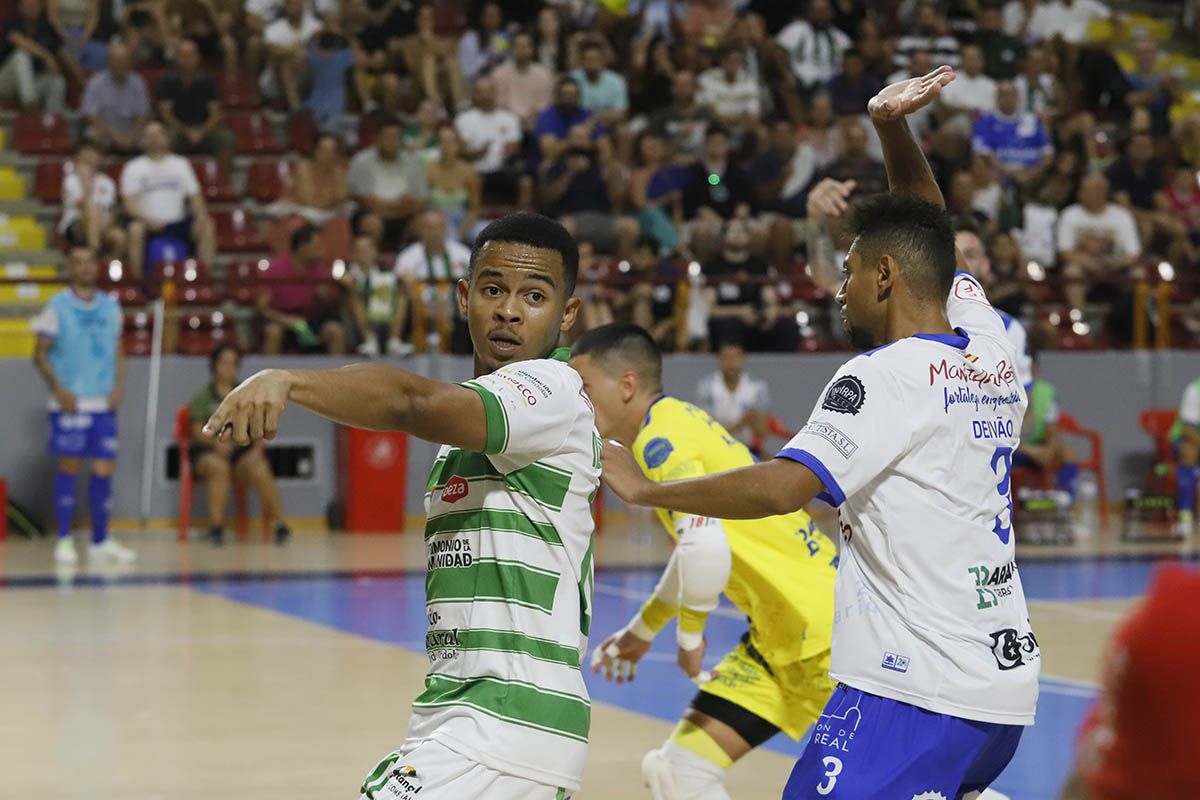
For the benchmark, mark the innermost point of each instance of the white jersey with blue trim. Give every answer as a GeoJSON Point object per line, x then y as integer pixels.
{"type": "Point", "coordinates": [913, 442]}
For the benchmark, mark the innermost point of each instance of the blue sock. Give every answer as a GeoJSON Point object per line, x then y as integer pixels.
{"type": "Point", "coordinates": [64, 503]}
{"type": "Point", "coordinates": [1185, 480]}
{"type": "Point", "coordinates": [1066, 479]}
{"type": "Point", "coordinates": [99, 497]}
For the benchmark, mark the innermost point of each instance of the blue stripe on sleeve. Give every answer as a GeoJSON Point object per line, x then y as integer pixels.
{"type": "Point", "coordinates": [833, 494]}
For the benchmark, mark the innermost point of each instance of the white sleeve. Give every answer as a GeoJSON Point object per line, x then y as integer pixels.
{"type": "Point", "coordinates": [1189, 409]}
{"type": "Point", "coordinates": [531, 407]}
{"type": "Point", "coordinates": [1020, 342]}
{"type": "Point", "coordinates": [762, 395]}
{"type": "Point", "coordinates": [1127, 235]}
{"type": "Point", "coordinates": [72, 191]}
{"type": "Point", "coordinates": [851, 435]}
{"type": "Point", "coordinates": [704, 395]}
{"type": "Point", "coordinates": [277, 33]}
{"type": "Point", "coordinates": [45, 322]}
{"type": "Point", "coordinates": [406, 265]}
{"type": "Point", "coordinates": [696, 574]}
{"type": "Point", "coordinates": [191, 185]}
{"type": "Point", "coordinates": [968, 308]}
{"type": "Point", "coordinates": [130, 179]}
{"type": "Point", "coordinates": [1068, 236]}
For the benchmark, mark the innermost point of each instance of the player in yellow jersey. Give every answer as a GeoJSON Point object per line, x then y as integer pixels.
{"type": "Point", "coordinates": [779, 571]}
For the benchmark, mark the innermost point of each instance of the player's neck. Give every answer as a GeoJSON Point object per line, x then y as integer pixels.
{"type": "Point", "coordinates": [634, 421]}
{"type": "Point", "coordinates": [84, 293]}
{"type": "Point", "coordinates": [903, 323]}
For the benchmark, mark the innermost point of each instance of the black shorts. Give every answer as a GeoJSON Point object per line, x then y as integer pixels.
{"type": "Point", "coordinates": [196, 451]}
{"type": "Point", "coordinates": [316, 320]}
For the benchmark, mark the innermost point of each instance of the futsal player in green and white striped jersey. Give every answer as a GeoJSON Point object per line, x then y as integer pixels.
{"type": "Point", "coordinates": [505, 712]}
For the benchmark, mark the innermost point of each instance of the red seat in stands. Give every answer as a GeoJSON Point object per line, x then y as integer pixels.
{"type": "Point", "coordinates": [255, 134]}
{"type": "Point", "coordinates": [240, 283]}
{"type": "Point", "coordinates": [237, 232]}
{"type": "Point", "coordinates": [302, 133]}
{"type": "Point", "coordinates": [35, 133]}
{"type": "Point", "coordinates": [47, 180]}
{"type": "Point", "coordinates": [236, 91]}
{"type": "Point", "coordinates": [215, 183]}
{"type": "Point", "coordinates": [138, 335]}
{"type": "Point", "coordinates": [266, 180]}
{"type": "Point", "coordinates": [120, 285]}
{"type": "Point", "coordinates": [199, 334]}
{"type": "Point", "coordinates": [193, 284]}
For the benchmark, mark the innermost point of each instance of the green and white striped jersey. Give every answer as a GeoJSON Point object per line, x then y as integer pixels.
{"type": "Point", "coordinates": [509, 586]}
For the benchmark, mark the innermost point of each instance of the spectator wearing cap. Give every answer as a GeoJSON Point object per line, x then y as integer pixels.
{"type": "Point", "coordinates": [491, 140]}
{"type": "Point", "coordinates": [683, 123]}
{"type": "Point", "coordinates": [523, 86]}
{"type": "Point", "coordinates": [1139, 184]}
{"type": "Point", "coordinates": [1097, 242]}
{"type": "Point", "coordinates": [560, 117]}
{"type": "Point", "coordinates": [1014, 141]}
{"type": "Point", "coordinates": [189, 105]}
{"type": "Point", "coordinates": [1152, 85]}
{"type": "Point", "coordinates": [814, 45]}
{"type": "Point", "coordinates": [116, 103]}
{"type": "Point", "coordinates": [1002, 52]}
{"type": "Point", "coordinates": [715, 189]}
{"type": "Point", "coordinates": [299, 305]}
{"type": "Point", "coordinates": [388, 186]}
{"type": "Point", "coordinates": [580, 186]}
{"type": "Point", "coordinates": [30, 71]}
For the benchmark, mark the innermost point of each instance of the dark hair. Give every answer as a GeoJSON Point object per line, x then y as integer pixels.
{"type": "Point", "coordinates": [215, 355]}
{"type": "Point", "coordinates": [714, 130]}
{"type": "Point", "coordinates": [564, 80]}
{"type": "Point", "coordinates": [88, 143]}
{"type": "Point", "coordinates": [625, 347]}
{"type": "Point", "coordinates": [965, 224]}
{"type": "Point", "coordinates": [389, 121]}
{"type": "Point", "coordinates": [918, 234]}
{"type": "Point", "coordinates": [590, 44]}
{"type": "Point", "coordinates": [647, 240]}
{"type": "Point", "coordinates": [320, 137]}
{"type": "Point", "coordinates": [534, 230]}
{"type": "Point", "coordinates": [302, 236]}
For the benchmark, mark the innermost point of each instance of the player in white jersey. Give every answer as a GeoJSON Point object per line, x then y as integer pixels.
{"type": "Point", "coordinates": [505, 712]}
{"type": "Point", "coordinates": [913, 442]}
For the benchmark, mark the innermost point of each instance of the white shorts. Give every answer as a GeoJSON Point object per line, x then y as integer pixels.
{"type": "Point", "coordinates": [432, 771]}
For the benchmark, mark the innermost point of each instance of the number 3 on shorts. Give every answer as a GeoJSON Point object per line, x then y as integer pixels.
{"type": "Point", "coordinates": [833, 768]}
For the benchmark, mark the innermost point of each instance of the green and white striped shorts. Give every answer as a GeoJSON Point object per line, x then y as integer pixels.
{"type": "Point", "coordinates": [431, 771]}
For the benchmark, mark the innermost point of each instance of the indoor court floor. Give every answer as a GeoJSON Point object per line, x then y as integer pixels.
{"type": "Point", "coordinates": [260, 672]}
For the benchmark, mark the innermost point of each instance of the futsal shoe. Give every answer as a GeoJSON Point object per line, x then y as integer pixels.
{"type": "Point", "coordinates": [282, 534]}
{"type": "Point", "coordinates": [216, 535]}
{"type": "Point", "coordinates": [64, 552]}
{"type": "Point", "coordinates": [1183, 524]}
{"type": "Point", "coordinates": [657, 776]}
{"type": "Point", "coordinates": [110, 550]}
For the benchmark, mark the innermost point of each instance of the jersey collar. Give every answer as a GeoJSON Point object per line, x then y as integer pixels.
{"type": "Point", "coordinates": [562, 354]}
{"type": "Point", "coordinates": [958, 340]}
{"type": "Point", "coordinates": [653, 403]}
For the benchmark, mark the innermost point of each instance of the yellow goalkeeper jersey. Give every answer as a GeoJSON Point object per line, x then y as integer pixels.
{"type": "Point", "coordinates": [783, 567]}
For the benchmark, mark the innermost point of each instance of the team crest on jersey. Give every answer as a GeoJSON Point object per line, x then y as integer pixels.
{"type": "Point", "coordinates": [657, 451]}
{"type": "Point", "coordinates": [846, 396]}
{"type": "Point", "coordinates": [968, 289]}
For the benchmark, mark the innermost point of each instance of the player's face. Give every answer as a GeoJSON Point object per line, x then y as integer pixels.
{"type": "Point", "coordinates": [226, 367]}
{"type": "Point", "coordinates": [973, 253]}
{"type": "Point", "coordinates": [515, 304]}
{"type": "Point", "coordinates": [859, 300]}
{"type": "Point", "coordinates": [605, 392]}
{"type": "Point", "coordinates": [84, 270]}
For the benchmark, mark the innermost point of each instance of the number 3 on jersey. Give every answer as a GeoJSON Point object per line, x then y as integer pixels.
{"type": "Point", "coordinates": [833, 768]}
{"type": "Point", "coordinates": [1002, 466]}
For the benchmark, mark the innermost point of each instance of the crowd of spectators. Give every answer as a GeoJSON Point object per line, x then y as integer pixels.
{"type": "Point", "coordinates": [679, 142]}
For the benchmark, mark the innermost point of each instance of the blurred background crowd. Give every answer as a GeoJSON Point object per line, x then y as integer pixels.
{"type": "Point", "coordinates": [308, 175]}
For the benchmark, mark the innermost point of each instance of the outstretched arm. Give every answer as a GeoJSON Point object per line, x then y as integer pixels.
{"type": "Point", "coordinates": [779, 486]}
{"type": "Point", "coordinates": [373, 396]}
{"type": "Point", "coordinates": [907, 169]}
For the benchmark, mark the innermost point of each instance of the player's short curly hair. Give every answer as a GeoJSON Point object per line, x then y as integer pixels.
{"type": "Point", "coordinates": [535, 231]}
{"type": "Point", "coordinates": [918, 234]}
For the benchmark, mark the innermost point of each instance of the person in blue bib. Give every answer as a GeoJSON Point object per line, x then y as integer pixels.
{"type": "Point", "coordinates": [80, 357]}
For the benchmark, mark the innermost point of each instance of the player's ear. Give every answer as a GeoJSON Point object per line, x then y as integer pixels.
{"type": "Point", "coordinates": [569, 312]}
{"type": "Point", "coordinates": [464, 293]}
{"type": "Point", "coordinates": [629, 385]}
{"type": "Point", "coordinates": [887, 271]}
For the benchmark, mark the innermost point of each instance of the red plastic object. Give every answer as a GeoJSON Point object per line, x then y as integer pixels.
{"type": "Point", "coordinates": [215, 183]}
{"type": "Point", "coordinates": [41, 134]}
{"type": "Point", "coordinates": [236, 91]}
{"type": "Point", "coordinates": [238, 233]}
{"type": "Point", "coordinates": [374, 467]}
{"type": "Point", "coordinates": [240, 284]}
{"type": "Point", "coordinates": [265, 180]}
{"type": "Point", "coordinates": [48, 179]}
{"type": "Point", "coordinates": [302, 133]}
{"type": "Point", "coordinates": [1157, 422]}
{"type": "Point", "coordinates": [255, 134]}
{"type": "Point", "coordinates": [1094, 463]}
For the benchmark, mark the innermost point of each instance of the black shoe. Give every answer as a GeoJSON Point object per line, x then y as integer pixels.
{"type": "Point", "coordinates": [282, 534]}
{"type": "Point", "coordinates": [216, 535]}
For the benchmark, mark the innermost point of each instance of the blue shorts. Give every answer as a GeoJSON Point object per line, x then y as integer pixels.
{"type": "Point", "coordinates": [866, 747]}
{"type": "Point", "coordinates": [84, 435]}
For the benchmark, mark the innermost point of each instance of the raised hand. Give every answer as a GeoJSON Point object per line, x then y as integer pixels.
{"type": "Point", "coordinates": [251, 412]}
{"type": "Point", "coordinates": [904, 97]}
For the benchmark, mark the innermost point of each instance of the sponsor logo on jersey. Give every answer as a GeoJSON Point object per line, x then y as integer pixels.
{"type": "Point", "coordinates": [1003, 375]}
{"type": "Point", "coordinates": [998, 428]}
{"type": "Point", "coordinates": [1012, 649]}
{"type": "Point", "coordinates": [967, 289]}
{"type": "Point", "coordinates": [991, 583]}
{"type": "Point", "coordinates": [657, 451]}
{"type": "Point", "coordinates": [965, 395]}
{"type": "Point", "coordinates": [846, 396]}
{"type": "Point", "coordinates": [894, 662]}
{"type": "Point", "coordinates": [442, 645]}
{"type": "Point", "coordinates": [449, 553]}
{"type": "Point", "coordinates": [840, 441]}
{"type": "Point", "coordinates": [837, 730]}
{"type": "Point", "coordinates": [402, 784]}
{"type": "Point", "coordinates": [534, 381]}
{"type": "Point", "coordinates": [455, 489]}
{"type": "Point", "coordinates": [526, 393]}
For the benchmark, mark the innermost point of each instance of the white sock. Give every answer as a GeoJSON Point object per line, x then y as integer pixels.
{"type": "Point", "coordinates": [695, 778]}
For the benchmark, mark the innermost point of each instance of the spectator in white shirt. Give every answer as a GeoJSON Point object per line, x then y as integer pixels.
{"type": "Point", "coordinates": [970, 94]}
{"type": "Point", "coordinates": [89, 198]}
{"type": "Point", "coordinates": [158, 189]}
{"type": "Point", "coordinates": [1097, 239]}
{"type": "Point", "coordinates": [286, 39]}
{"type": "Point", "coordinates": [1066, 18]}
{"type": "Point", "coordinates": [491, 139]}
{"type": "Point", "coordinates": [814, 45]}
{"type": "Point", "coordinates": [730, 93]}
{"type": "Point", "coordinates": [438, 262]}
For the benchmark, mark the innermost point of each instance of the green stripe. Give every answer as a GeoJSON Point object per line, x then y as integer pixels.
{"type": "Point", "coordinates": [512, 701]}
{"type": "Point", "coordinates": [586, 587]}
{"type": "Point", "coordinates": [493, 579]}
{"type": "Point", "coordinates": [497, 419]}
{"type": "Point", "coordinates": [513, 642]}
{"type": "Point", "coordinates": [378, 778]}
{"type": "Point", "coordinates": [547, 485]}
{"type": "Point", "coordinates": [491, 519]}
